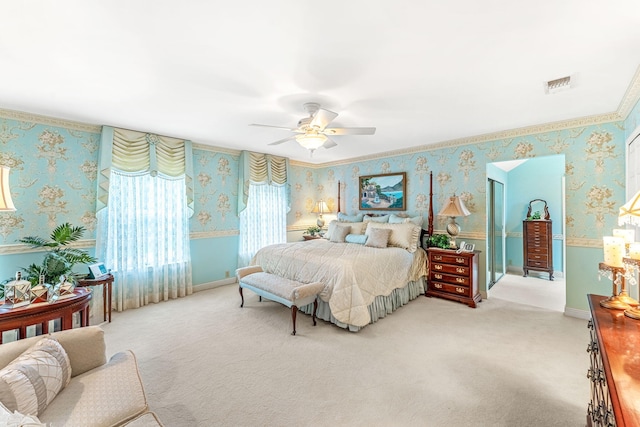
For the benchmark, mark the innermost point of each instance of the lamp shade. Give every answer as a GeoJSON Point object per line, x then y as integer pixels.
{"type": "Point", "coordinates": [454, 207]}
{"type": "Point", "coordinates": [6, 204]}
{"type": "Point", "coordinates": [321, 208]}
{"type": "Point", "coordinates": [630, 211]}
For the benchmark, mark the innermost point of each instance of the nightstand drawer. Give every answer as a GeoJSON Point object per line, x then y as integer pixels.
{"type": "Point", "coordinates": [449, 288]}
{"type": "Point", "coordinates": [449, 278]}
{"type": "Point", "coordinates": [449, 259]}
{"type": "Point", "coordinates": [452, 269]}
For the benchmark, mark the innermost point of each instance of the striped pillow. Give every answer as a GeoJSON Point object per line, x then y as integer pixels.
{"type": "Point", "coordinates": [31, 381]}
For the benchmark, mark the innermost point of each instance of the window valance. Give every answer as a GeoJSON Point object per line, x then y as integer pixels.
{"type": "Point", "coordinates": [139, 152]}
{"type": "Point", "coordinates": [258, 168]}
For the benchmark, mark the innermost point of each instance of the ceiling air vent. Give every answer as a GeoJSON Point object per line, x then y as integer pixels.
{"type": "Point", "coordinates": [557, 85]}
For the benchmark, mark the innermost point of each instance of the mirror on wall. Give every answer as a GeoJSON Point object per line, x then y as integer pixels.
{"type": "Point", "coordinates": [538, 210]}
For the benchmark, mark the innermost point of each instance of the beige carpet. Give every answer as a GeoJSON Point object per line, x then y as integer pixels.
{"type": "Point", "coordinates": [207, 362]}
{"type": "Point", "coordinates": [535, 290]}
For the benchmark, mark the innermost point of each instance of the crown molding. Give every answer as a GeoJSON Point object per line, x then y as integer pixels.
{"type": "Point", "coordinates": [51, 121]}
{"type": "Point", "coordinates": [25, 249]}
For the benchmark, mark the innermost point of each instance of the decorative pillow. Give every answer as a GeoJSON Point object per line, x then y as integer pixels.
{"type": "Point", "coordinates": [33, 379]}
{"type": "Point", "coordinates": [395, 219]}
{"type": "Point", "coordinates": [333, 226]}
{"type": "Point", "coordinates": [17, 419]}
{"type": "Point", "coordinates": [405, 236]}
{"type": "Point", "coordinates": [359, 239]}
{"type": "Point", "coordinates": [377, 237]}
{"type": "Point", "coordinates": [340, 233]}
{"type": "Point", "coordinates": [358, 227]}
{"type": "Point", "coordinates": [349, 218]}
{"type": "Point", "coordinates": [383, 218]}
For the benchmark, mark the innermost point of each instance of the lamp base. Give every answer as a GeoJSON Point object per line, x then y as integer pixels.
{"type": "Point", "coordinates": [453, 229]}
{"type": "Point", "coordinates": [615, 303]}
{"type": "Point", "coordinates": [633, 312]}
{"type": "Point", "coordinates": [320, 222]}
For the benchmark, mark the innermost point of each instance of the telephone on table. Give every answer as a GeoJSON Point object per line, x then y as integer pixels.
{"type": "Point", "coordinates": [466, 247]}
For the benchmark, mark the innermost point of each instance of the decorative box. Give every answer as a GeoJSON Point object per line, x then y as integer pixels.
{"type": "Point", "coordinates": [17, 293]}
{"type": "Point", "coordinates": [60, 290]}
{"type": "Point", "coordinates": [39, 292]}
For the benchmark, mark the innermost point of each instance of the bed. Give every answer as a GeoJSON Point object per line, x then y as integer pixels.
{"type": "Point", "coordinates": [362, 283]}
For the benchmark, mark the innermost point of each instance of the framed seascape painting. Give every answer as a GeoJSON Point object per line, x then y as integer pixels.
{"type": "Point", "coordinates": [383, 192]}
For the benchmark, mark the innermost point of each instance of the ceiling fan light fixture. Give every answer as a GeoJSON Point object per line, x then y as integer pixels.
{"type": "Point", "coordinates": [311, 141]}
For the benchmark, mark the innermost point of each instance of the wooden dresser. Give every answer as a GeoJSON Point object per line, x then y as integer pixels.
{"type": "Point", "coordinates": [614, 372]}
{"type": "Point", "coordinates": [537, 240]}
{"type": "Point", "coordinates": [453, 276]}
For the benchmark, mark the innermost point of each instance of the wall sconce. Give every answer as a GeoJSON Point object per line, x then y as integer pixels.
{"type": "Point", "coordinates": [453, 208]}
{"type": "Point", "coordinates": [6, 204]}
{"type": "Point", "coordinates": [320, 208]}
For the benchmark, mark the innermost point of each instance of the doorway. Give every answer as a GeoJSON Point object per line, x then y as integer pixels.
{"type": "Point", "coordinates": [495, 238]}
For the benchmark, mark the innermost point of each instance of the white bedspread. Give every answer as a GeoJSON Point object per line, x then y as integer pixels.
{"type": "Point", "coordinates": [353, 274]}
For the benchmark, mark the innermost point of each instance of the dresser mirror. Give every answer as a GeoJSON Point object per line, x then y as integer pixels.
{"type": "Point", "coordinates": [538, 210]}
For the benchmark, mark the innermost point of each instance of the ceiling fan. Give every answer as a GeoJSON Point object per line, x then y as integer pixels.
{"type": "Point", "coordinates": [313, 133]}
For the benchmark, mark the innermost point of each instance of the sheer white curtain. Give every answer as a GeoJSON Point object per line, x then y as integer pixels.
{"type": "Point", "coordinates": [264, 221]}
{"type": "Point", "coordinates": [143, 236]}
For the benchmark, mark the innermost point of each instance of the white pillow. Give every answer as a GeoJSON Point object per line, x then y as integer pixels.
{"type": "Point", "coordinates": [358, 227]}
{"type": "Point", "coordinates": [333, 228]}
{"type": "Point", "coordinates": [17, 419]}
{"type": "Point", "coordinates": [405, 236]}
{"type": "Point", "coordinates": [30, 382]}
{"type": "Point", "coordinates": [349, 218]}
{"type": "Point", "coordinates": [369, 218]}
{"type": "Point", "coordinates": [340, 233]}
{"type": "Point", "coordinates": [395, 219]}
{"type": "Point", "coordinates": [377, 237]}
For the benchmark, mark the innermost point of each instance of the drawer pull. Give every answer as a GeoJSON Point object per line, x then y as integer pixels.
{"type": "Point", "coordinates": [438, 276]}
{"type": "Point", "coordinates": [460, 270]}
{"type": "Point", "coordinates": [437, 285]}
{"type": "Point", "coordinates": [437, 267]}
{"type": "Point", "coordinates": [460, 279]}
{"type": "Point", "coordinates": [437, 258]}
{"type": "Point", "coordinates": [460, 290]}
{"type": "Point", "coordinates": [460, 260]}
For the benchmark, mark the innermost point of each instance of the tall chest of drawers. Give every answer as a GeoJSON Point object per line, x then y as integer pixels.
{"type": "Point", "coordinates": [453, 276]}
{"type": "Point", "coordinates": [537, 241]}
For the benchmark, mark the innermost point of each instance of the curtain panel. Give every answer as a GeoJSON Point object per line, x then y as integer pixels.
{"type": "Point", "coordinates": [258, 168]}
{"type": "Point", "coordinates": [144, 201]}
{"type": "Point", "coordinates": [140, 152]}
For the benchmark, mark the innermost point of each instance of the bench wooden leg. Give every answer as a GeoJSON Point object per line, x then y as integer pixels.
{"type": "Point", "coordinates": [315, 308]}
{"type": "Point", "coordinates": [241, 296]}
{"type": "Point", "coordinates": [294, 311]}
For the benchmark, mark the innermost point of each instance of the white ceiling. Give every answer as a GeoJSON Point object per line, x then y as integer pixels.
{"type": "Point", "coordinates": [422, 72]}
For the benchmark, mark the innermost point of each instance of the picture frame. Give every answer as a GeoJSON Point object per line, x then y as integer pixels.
{"type": "Point", "coordinates": [383, 192]}
{"type": "Point", "coordinates": [97, 270]}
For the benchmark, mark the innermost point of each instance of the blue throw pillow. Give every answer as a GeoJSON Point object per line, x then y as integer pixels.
{"type": "Point", "coordinates": [360, 239]}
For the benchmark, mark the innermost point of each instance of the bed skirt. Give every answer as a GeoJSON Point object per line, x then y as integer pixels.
{"type": "Point", "coordinates": [379, 308]}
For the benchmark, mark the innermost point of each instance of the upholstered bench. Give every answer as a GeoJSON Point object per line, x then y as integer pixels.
{"type": "Point", "coordinates": [289, 292]}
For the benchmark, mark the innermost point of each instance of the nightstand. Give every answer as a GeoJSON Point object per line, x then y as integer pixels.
{"type": "Point", "coordinates": [453, 276]}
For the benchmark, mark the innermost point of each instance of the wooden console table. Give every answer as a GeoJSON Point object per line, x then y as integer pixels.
{"type": "Point", "coordinates": [106, 282]}
{"type": "Point", "coordinates": [41, 313]}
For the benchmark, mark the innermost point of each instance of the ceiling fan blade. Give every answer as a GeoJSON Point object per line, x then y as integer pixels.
{"type": "Point", "coordinates": [322, 118]}
{"type": "Point", "coordinates": [282, 140]}
{"type": "Point", "coordinates": [349, 131]}
{"type": "Point", "coordinates": [276, 127]}
{"type": "Point", "coordinates": [329, 143]}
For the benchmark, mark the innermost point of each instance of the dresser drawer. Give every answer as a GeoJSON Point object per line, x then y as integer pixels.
{"type": "Point", "coordinates": [538, 250]}
{"type": "Point", "coordinates": [538, 264]}
{"type": "Point", "coordinates": [449, 259]}
{"type": "Point", "coordinates": [449, 288]}
{"type": "Point", "coordinates": [449, 278]}
{"type": "Point", "coordinates": [532, 258]}
{"type": "Point", "coordinates": [452, 269]}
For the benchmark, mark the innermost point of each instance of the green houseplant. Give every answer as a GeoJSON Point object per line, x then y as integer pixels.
{"type": "Point", "coordinates": [313, 230]}
{"type": "Point", "coordinates": [439, 241]}
{"type": "Point", "coordinates": [59, 258]}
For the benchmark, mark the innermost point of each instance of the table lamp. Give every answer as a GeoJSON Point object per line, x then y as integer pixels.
{"type": "Point", "coordinates": [453, 208]}
{"type": "Point", "coordinates": [629, 213]}
{"type": "Point", "coordinates": [320, 208]}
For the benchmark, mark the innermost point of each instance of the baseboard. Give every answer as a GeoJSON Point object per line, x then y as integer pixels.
{"type": "Point", "coordinates": [212, 285]}
{"type": "Point", "coordinates": [574, 312]}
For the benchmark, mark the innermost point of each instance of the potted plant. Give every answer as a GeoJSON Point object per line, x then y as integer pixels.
{"type": "Point", "coordinates": [439, 241]}
{"type": "Point", "coordinates": [59, 258]}
{"type": "Point", "coordinates": [313, 230]}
